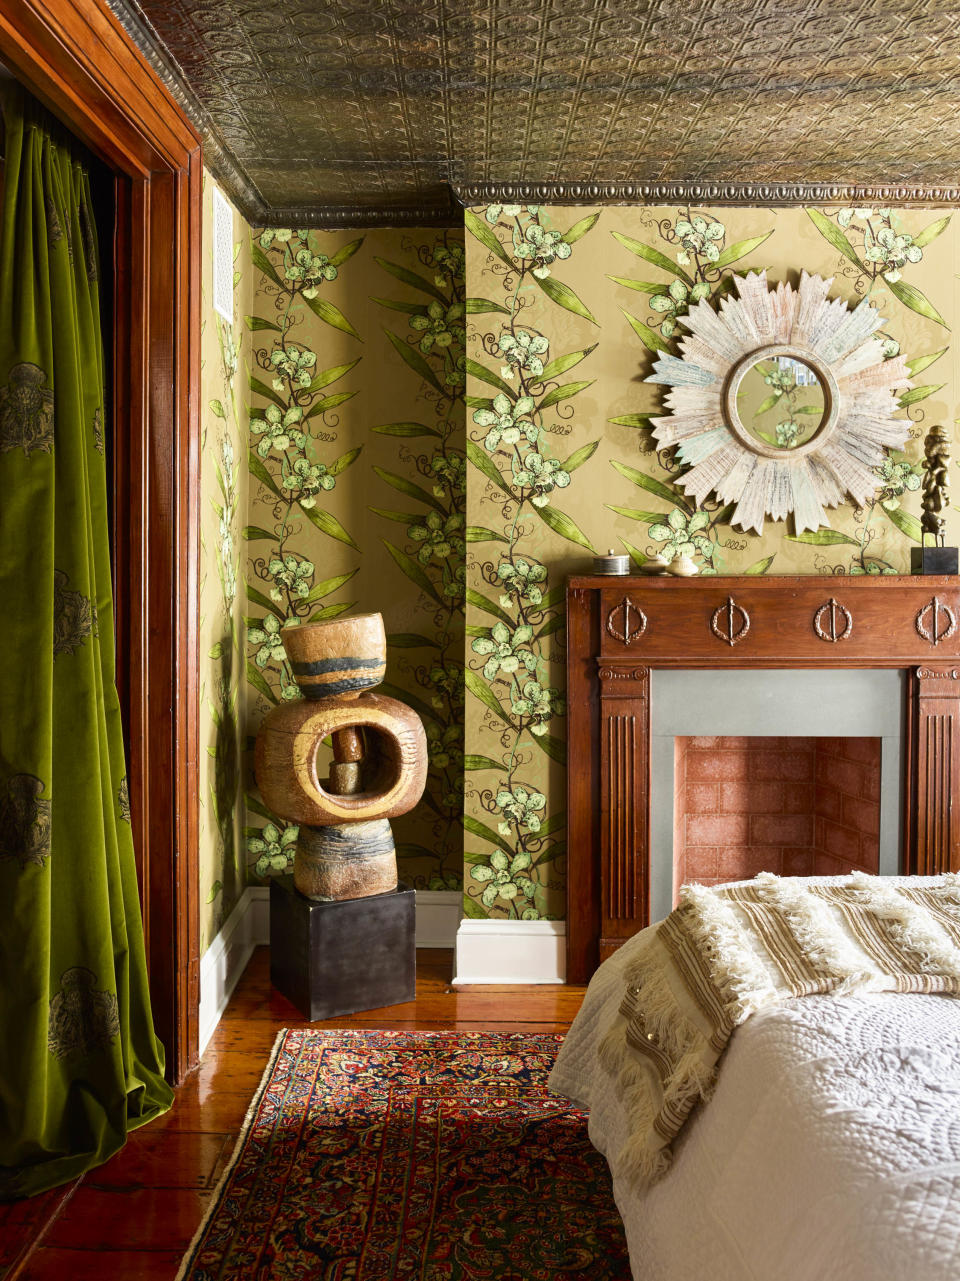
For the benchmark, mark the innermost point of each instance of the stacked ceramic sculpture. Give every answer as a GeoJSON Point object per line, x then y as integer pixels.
{"type": "Point", "coordinates": [345, 848]}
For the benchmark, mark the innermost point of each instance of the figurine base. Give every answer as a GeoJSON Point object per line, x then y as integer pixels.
{"type": "Point", "coordinates": [340, 957]}
{"type": "Point", "coordinates": [933, 560]}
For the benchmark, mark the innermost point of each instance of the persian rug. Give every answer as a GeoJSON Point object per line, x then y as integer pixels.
{"type": "Point", "coordinates": [427, 1156]}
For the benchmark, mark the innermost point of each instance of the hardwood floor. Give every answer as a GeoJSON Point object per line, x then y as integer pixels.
{"type": "Point", "coordinates": [132, 1219]}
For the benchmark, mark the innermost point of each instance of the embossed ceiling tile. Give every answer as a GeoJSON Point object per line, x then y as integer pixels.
{"type": "Point", "coordinates": [238, 136]}
{"type": "Point", "coordinates": [318, 184]}
{"type": "Point", "coordinates": [403, 94]}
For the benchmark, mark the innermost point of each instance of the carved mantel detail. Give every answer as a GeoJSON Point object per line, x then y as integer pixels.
{"type": "Point", "coordinates": [825, 621]}
{"type": "Point", "coordinates": [607, 673]}
{"type": "Point", "coordinates": [624, 749]}
{"type": "Point", "coordinates": [626, 621]}
{"type": "Point", "coordinates": [730, 622]}
{"type": "Point", "coordinates": [888, 621]}
{"type": "Point", "coordinates": [936, 622]}
{"type": "Point", "coordinates": [937, 745]}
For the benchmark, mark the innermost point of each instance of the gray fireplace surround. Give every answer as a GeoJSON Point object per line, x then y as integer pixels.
{"type": "Point", "coordinates": [807, 702]}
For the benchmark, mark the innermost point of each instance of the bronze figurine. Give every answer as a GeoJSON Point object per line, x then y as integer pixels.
{"type": "Point", "coordinates": [936, 482]}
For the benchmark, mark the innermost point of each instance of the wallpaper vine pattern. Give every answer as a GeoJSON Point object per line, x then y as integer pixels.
{"type": "Point", "coordinates": [323, 370]}
{"type": "Point", "coordinates": [604, 292]}
{"type": "Point", "coordinates": [225, 349]}
{"type": "Point", "coordinates": [510, 445]}
{"type": "Point", "coordinates": [442, 429]}
{"type": "Point", "coordinates": [433, 557]}
{"type": "Point", "coordinates": [290, 460]}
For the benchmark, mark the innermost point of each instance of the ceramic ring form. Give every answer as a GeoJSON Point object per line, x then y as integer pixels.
{"type": "Point", "coordinates": [286, 759]}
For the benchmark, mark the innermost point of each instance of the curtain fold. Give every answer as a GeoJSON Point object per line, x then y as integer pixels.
{"type": "Point", "coordinates": [80, 1064]}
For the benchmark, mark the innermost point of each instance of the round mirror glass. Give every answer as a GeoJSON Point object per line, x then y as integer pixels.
{"type": "Point", "coordinates": [781, 402]}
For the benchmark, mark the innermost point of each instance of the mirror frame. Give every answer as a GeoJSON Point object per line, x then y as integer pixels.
{"type": "Point", "coordinates": [862, 417]}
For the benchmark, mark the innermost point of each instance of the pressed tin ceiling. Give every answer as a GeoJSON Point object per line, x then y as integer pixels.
{"type": "Point", "coordinates": [390, 111]}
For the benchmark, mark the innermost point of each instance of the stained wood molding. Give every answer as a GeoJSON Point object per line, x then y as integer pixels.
{"type": "Point", "coordinates": [620, 629]}
{"type": "Point", "coordinates": [936, 775]}
{"type": "Point", "coordinates": [77, 59]}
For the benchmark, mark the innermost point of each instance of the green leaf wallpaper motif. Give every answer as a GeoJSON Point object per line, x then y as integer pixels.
{"type": "Point", "coordinates": [291, 457]}
{"type": "Point", "coordinates": [432, 559]}
{"type": "Point", "coordinates": [523, 479]}
{"type": "Point", "coordinates": [293, 460]}
{"type": "Point", "coordinates": [634, 273]}
{"type": "Point", "coordinates": [224, 352]}
{"type": "Point", "coordinates": [353, 513]}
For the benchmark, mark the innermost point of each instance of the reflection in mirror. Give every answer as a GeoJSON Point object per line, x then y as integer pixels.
{"type": "Point", "coordinates": [781, 402]}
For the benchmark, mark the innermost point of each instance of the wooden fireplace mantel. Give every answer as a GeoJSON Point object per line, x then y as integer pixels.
{"type": "Point", "coordinates": [619, 628]}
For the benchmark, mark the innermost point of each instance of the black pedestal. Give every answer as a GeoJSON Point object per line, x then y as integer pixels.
{"type": "Point", "coordinates": [933, 560]}
{"type": "Point", "coordinates": [338, 958]}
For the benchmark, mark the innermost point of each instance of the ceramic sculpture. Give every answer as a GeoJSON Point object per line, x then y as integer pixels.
{"type": "Point", "coordinates": [345, 847]}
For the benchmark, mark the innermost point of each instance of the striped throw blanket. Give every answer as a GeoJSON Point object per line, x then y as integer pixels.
{"type": "Point", "coordinates": [728, 951]}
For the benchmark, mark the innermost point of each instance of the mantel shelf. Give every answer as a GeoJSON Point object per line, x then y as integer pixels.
{"type": "Point", "coordinates": [870, 583]}
{"type": "Point", "coordinates": [747, 621]}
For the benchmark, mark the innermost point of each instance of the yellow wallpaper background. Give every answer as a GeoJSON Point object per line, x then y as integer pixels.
{"type": "Point", "coordinates": [225, 357]}
{"type": "Point", "coordinates": [469, 416]}
{"type": "Point", "coordinates": [357, 493]}
{"type": "Point", "coordinates": [557, 413]}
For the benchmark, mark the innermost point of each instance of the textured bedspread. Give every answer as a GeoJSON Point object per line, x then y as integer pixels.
{"type": "Point", "coordinates": [830, 1150]}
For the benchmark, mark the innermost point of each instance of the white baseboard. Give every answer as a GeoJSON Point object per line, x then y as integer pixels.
{"type": "Point", "coordinates": [438, 915]}
{"type": "Point", "coordinates": [497, 951]}
{"type": "Point", "coordinates": [226, 958]}
{"type": "Point", "coordinates": [248, 926]}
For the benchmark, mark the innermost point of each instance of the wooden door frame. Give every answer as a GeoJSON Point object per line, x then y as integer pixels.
{"type": "Point", "coordinates": [76, 58]}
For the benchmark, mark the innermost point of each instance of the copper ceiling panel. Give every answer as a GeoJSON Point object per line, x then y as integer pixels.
{"type": "Point", "coordinates": [366, 110]}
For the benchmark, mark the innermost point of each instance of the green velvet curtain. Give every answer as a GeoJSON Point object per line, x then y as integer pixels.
{"type": "Point", "coordinates": [80, 1065]}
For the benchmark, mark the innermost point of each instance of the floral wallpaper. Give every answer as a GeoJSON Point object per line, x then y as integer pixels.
{"type": "Point", "coordinates": [441, 426]}
{"type": "Point", "coordinates": [356, 470]}
{"type": "Point", "coordinates": [225, 355]}
{"type": "Point", "coordinates": [566, 311]}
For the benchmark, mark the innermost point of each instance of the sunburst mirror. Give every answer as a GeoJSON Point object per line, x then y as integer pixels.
{"type": "Point", "coordinates": [782, 402]}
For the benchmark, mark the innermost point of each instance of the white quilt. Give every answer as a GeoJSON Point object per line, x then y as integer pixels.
{"type": "Point", "coordinates": [830, 1150]}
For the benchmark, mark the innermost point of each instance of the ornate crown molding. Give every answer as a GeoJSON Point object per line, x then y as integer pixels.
{"type": "Point", "coordinates": [701, 193]}
{"type": "Point", "coordinates": [217, 156]}
{"type": "Point", "coordinates": [332, 217]}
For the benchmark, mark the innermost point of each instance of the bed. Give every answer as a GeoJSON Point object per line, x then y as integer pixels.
{"type": "Point", "coordinates": [829, 1150]}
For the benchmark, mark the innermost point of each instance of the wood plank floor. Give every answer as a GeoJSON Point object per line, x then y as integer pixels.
{"type": "Point", "coordinates": [132, 1219]}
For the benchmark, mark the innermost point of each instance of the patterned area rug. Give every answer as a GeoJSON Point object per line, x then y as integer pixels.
{"type": "Point", "coordinates": [427, 1156]}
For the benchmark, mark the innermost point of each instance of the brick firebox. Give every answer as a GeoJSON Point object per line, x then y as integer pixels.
{"type": "Point", "coordinates": [791, 805]}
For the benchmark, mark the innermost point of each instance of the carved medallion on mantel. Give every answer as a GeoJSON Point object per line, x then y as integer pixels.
{"type": "Point", "coordinates": [936, 621]}
{"type": "Point", "coordinates": [825, 621]}
{"type": "Point", "coordinates": [730, 622]}
{"type": "Point", "coordinates": [743, 622]}
{"type": "Point", "coordinates": [625, 622]}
